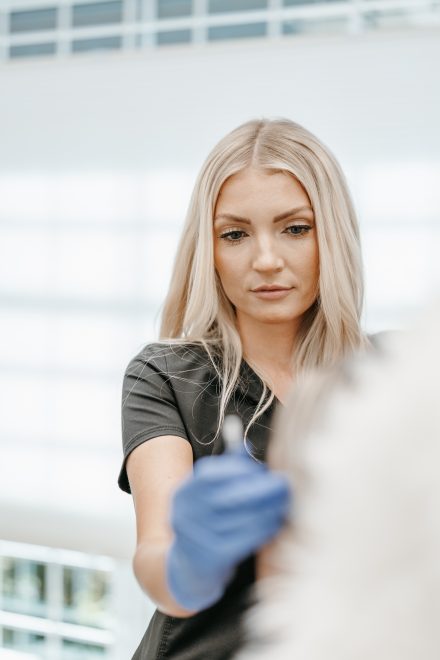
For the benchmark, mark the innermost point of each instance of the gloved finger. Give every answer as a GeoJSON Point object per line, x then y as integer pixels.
{"type": "Point", "coordinates": [235, 522]}
{"type": "Point", "coordinates": [240, 525]}
{"type": "Point", "coordinates": [230, 498]}
{"type": "Point", "coordinates": [240, 547]}
{"type": "Point", "coordinates": [233, 501]}
{"type": "Point", "coordinates": [239, 494]}
{"type": "Point", "coordinates": [201, 546]}
{"type": "Point", "coordinates": [211, 554]}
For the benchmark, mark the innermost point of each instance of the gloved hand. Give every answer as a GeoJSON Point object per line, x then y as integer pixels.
{"type": "Point", "coordinates": [229, 507]}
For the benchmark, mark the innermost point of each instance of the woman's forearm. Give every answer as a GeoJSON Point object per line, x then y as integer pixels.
{"type": "Point", "coordinates": [150, 571]}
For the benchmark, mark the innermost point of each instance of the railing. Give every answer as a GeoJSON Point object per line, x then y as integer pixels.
{"type": "Point", "coordinates": [134, 24]}
{"type": "Point", "coordinates": [34, 600]}
{"type": "Point", "coordinates": [57, 604]}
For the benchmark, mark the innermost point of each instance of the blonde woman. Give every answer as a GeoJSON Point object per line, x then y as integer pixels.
{"type": "Point", "coordinates": [267, 283]}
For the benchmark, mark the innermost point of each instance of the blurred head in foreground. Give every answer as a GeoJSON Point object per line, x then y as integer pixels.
{"type": "Point", "coordinates": [355, 574]}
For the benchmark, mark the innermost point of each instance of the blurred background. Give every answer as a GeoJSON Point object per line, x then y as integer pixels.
{"type": "Point", "coordinates": [107, 111]}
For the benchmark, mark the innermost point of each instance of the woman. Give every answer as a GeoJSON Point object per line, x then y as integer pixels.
{"type": "Point", "coordinates": [267, 283]}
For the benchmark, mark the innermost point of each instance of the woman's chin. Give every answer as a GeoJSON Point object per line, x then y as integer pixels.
{"type": "Point", "coordinates": [277, 318]}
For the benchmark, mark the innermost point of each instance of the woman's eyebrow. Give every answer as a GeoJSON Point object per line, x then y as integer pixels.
{"type": "Point", "coordinates": [277, 218]}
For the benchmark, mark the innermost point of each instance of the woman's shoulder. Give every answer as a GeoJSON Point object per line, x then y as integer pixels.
{"type": "Point", "coordinates": [172, 357]}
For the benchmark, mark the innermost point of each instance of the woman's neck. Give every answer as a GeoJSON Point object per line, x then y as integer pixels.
{"type": "Point", "coordinates": [268, 346]}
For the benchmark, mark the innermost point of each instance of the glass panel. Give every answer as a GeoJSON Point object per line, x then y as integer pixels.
{"type": "Point", "coordinates": [8, 638]}
{"type": "Point", "coordinates": [32, 50]}
{"type": "Point", "coordinates": [296, 3]}
{"type": "Point", "coordinates": [99, 13]}
{"type": "Point", "coordinates": [398, 18]}
{"type": "Point", "coordinates": [85, 597]}
{"type": "Point", "coordinates": [173, 8]}
{"type": "Point", "coordinates": [73, 650]}
{"type": "Point", "coordinates": [237, 31]}
{"type": "Point", "coordinates": [103, 43]}
{"type": "Point", "coordinates": [23, 641]}
{"type": "Point", "coordinates": [24, 586]}
{"type": "Point", "coordinates": [222, 6]}
{"type": "Point", "coordinates": [33, 21]}
{"type": "Point", "coordinates": [322, 26]}
{"type": "Point", "coordinates": [173, 37]}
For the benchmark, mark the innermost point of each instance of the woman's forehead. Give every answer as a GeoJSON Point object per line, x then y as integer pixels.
{"type": "Point", "coordinates": [255, 185]}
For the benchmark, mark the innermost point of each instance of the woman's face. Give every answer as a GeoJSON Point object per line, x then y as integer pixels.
{"type": "Point", "coordinates": [265, 246]}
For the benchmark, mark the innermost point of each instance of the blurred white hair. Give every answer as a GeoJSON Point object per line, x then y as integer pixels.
{"type": "Point", "coordinates": [357, 570]}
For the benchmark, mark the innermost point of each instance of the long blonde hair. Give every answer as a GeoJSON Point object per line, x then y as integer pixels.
{"type": "Point", "coordinates": [196, 309]}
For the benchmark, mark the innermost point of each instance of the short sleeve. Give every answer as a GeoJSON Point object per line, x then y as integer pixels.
{"type": "Point", "coordinates": [148, 407]}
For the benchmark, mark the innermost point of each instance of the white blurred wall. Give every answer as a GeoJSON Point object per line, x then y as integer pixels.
{"type": "Point", "coordinates": [372, 97]}
{"type": "Point", "coordinates": [98, 155]}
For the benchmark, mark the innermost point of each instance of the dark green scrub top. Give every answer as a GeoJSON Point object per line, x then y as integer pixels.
{"type": "Point", "coordinates": [174, 390]}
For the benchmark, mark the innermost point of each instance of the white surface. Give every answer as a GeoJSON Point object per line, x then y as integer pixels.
{"type": "Point", "coordinates": [114, 139]}
{"type": "Point", "coordinates": [65, 499]}
{"type": "Point", "coordinates": [372, 97]}
{"type": "Point", "coordinates": [16, 655]}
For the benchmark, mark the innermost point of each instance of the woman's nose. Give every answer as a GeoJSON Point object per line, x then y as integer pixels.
{"type": "Point", "coordinates": [267, 257]}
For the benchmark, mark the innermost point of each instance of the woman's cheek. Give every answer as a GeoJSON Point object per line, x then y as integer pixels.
{"type": "Point", "coordinates": [230, 275]}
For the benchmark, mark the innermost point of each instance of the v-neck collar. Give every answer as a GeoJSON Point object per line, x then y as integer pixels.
{"type": "Point", "coordinates": [251, 384]}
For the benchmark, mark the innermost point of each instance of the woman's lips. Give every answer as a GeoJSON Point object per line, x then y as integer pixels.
{"type": "Point", "coordinates": [272, 294]}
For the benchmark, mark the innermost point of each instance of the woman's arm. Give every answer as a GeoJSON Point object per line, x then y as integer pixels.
{"type": "Point", "coordinates": [194, 527]}
{"type": "Point", "coordinates": [155, 469]}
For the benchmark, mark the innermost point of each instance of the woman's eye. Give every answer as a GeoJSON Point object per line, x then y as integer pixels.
{"type": "Point", "coordinates": [298, 230]}
{"type": "Point", "coordinates": [233, 236]}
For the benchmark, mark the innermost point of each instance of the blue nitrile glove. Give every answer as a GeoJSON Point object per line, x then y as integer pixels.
{"type": "Point", "coordinates": [228, 508]}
